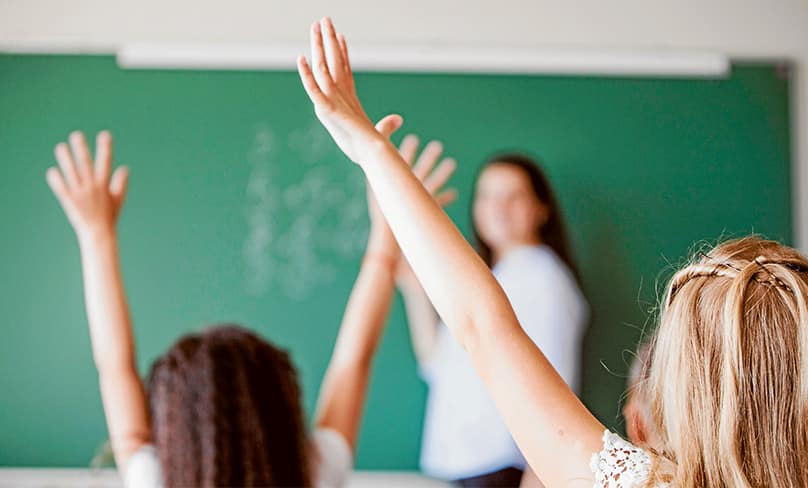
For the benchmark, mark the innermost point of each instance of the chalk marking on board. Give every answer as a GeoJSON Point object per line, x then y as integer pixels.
{"type": "Point", "coordinates": [327, 207]}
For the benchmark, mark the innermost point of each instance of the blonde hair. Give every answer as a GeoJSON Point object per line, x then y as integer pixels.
{"type": "Point", "coordinates": [728, 379]}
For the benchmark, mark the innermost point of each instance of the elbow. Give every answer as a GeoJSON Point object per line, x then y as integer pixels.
{"type": "Point", "coordinates": [468, 333]}
{"type": "Point", "coordinates": [487, 317]}
{"type": "Point", "coordinates": [484, 326]}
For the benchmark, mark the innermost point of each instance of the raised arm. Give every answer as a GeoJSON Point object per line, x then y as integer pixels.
{"type": "Point", "coordinates": [92, 202]}
{"type": "Point", "coordinates": [422, 319]}
{"type": "Point", "coordinates": [342, 394]}
{"type": "Point", "coordinates": [555, 431]}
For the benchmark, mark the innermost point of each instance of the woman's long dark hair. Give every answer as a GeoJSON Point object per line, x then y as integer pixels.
{"type": "Point", "coordinates": [225, 409]}
{"type": "Point", "coordinates": [553, 233]}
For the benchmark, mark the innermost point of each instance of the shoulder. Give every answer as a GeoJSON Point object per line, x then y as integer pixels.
{"type": "Point", "coordinates": [143, 469]}
{"type": "Point", "coordinates": [332, 459]}
{"type": "Point", "coordinates": [621, 464]}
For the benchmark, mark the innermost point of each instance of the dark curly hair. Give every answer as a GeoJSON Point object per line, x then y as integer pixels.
{"type": "Point", "coordinates": [225, 409]}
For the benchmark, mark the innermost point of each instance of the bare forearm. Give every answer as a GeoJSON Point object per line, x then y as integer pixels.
{"type": "Point", "coordinates": [437, 252]}
{"type": "Point", "coordinates": [107, 310]}
{"type": "Point", "coordinates": [113, 346]}
{"type": "Point", "coordinates": [422, 320]}
{"type": "Point", "coordinates": [368, 304]}
{"type": "Point", "coordinates": [342, 394]}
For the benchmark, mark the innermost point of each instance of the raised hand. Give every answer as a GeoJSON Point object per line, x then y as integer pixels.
{"type": "Point", "coordinates": [432, 174]}
{"type": "Point", "coordinates": [91, 199]}
{"type": "Point", "coordinates": [330, 85]}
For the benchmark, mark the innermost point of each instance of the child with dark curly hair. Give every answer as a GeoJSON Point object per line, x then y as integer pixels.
{"type": "Point", "coordinates": [223, 404]}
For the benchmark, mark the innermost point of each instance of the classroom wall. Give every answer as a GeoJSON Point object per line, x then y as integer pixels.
{"type": "Point", "coordinates": [743, 29]}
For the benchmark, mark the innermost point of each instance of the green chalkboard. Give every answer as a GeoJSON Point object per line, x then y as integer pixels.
{"type": "Point", "coordinates": [241, 209]}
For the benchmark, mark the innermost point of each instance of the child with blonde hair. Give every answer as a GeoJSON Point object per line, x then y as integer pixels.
{"type": "Point", "coordinates": [636, 410]}
{"type": "Point", "coordinates": [728, 378]}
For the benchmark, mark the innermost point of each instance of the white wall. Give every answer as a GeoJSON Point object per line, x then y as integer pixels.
{"type": "Point", "coordinates": [743, 29]}
{"type": "Point", "coordinates": [740, 27]}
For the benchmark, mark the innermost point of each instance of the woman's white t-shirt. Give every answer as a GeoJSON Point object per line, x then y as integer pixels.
{"type": "Point", "coordinates": [464, 435]}
{"type": "Point", "coordinates": [333, 463]}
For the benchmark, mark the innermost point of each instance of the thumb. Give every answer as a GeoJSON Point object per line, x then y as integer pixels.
{"type": "Point", "coordinates": [389, 124]}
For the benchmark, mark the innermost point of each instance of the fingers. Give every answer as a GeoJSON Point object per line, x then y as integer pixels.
{"type": "Point", "coordinates": [349, 80]}
{"type": "Point", "coordinates": [310, 83]}
{"type": "Point", "coordinates": [440, 176]}
{"type": "Point", "coordinates": [333, 51]}
{"type": "Point", "coordinates": [65, 160]}
{"type": "Point", "coordinates": [389, 124]}
{"type": "Point", "coordinates": [103, 156]}
{"type": "Point", "coordinates": [433, 178]}
{"type": "Point", "coordinates": [58, 186]}
{"type": "Point", "coordinates": [446, 197]}
{"type": "Point", "coordinates": [409, 148]}
{"type": "Point", "coordinates": [81, 155]}
{"type": "Point", "coordinates": [426, 161]}
{"type": "Point", "coordinates": [318, 60]}
{"type": "Point", "coordinates": [118, 184]}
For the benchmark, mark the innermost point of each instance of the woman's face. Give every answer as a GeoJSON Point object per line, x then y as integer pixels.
{"type": "Point", "coordinates": [506, 211]}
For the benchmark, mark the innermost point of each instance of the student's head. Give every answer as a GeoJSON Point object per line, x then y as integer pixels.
{"type": "Point", "coordinates": [226, 411]}
{"type": "Point", "coordinates": [728, 381]}
{"type": "Point", "coordinates": [636, 410]}
{"type": "Point", "coordinates": [514, 205]}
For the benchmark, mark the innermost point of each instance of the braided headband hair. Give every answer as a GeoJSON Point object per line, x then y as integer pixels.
{"type": "Point", "coordinates": [710, 266]}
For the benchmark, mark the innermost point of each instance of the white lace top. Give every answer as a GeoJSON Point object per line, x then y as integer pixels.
{"type": "Point", "coordinates": [621, 465]}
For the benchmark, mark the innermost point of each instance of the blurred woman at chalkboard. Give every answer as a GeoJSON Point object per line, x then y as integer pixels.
{"type": "Point", "coordinates": [223, 405]}
{"type": "Point", "coordinates": [520, 234]}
